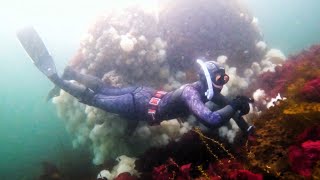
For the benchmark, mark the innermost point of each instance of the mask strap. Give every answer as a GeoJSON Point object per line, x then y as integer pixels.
{"type": "Point", "coordinates": [209, 93]}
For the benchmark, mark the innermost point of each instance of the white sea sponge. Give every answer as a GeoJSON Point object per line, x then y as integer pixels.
{"type": "Point", "coordinates": [164, 72]}
{"type": "Point", "coordinates": [127, 43]}
{"type": "Point", "coordinates": [181, 76]}
{"type": "Point", "coordinates": [232, 72]}
{"type": "Point", "coordinates": [259, 95]}
{"type": "Point", "coordinates": [248, 73]}
{"type": "Point", "coordinates": [80, 123]}
{"type": "Point", "coordinates": [143, 39]}
{"type": "Point", "coordinates": [235, 83]}
{"type": "Point", "coordinates": [267, 66]}
{"type": "Point", "coordinates": [162, 54]}
{"type": "Point", "coordinates": [222, 59]}
{"type": "Point", "coordinates": [261, 45]}
{"type": "Point", "coordinates": [159, 43]}
{"type": "Point", "coordinates": [160, 140]}
{"type": "Point", "coordinates": [104, 174]}
{"type": "Point", "coordinates": [126, 164]}
{"type": "Point", "coordinates": [225, 90]}
{"type": "Point", "coordinates": [113, 33]}
{"type": "Point", "coordinates": [172, 84]}
{"type": "Point", "coordinates": [142, 52]}
{"type": "Point", "coordinates": [256, 68]}
{"type": "Point", "coordinates": [230, 132]}
{"type": "Point", "coordinates": [275, 56]}
{"type": "Point", "coordinates": [143, 132]}
{"type": "Point", "coordinates": [274, 101]}
{"type": "Point", "coordinates": [86, 39]}
{"type": "Point", "coordinates": [98, 157]}
{"type": "Point", "coordinates": [171, 127]}
{"type": "Point", "coordinates": [255, 21]}
{"type": "Point", "coordinates": [223, 131]}
{"type": "Point", "coordinates": [113, 78]}
{"type": "Point", "coordinates": [98, 131]}
{"type": "Point", "coordinates": [186, 127]}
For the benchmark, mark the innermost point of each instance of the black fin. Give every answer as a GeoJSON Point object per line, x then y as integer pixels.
{"type": "Point", "coordinates": [36, 49]}
{"type": "Point", "coordinates": [53, 93]}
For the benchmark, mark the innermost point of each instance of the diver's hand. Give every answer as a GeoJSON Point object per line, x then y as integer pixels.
{"type": "Point", "coordinates": [241, 103]}
{"type": "Point", "coordinates": [251, 130]}
{"type": "Point", "coordinates": [251, 135]}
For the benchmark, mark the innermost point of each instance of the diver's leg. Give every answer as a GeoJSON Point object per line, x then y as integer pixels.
{"type": "Point", "coordinates": [122, 104]}
{"type": "Point", "coordinates": [94, 83]}
{"type": "Point", "coordinates": [82, 93]}
{"type": "Point", "coordinates": [89, 81]}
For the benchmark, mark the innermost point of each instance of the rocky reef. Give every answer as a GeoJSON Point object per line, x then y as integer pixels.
{"type": "Point", "coordinates": [282, 130]}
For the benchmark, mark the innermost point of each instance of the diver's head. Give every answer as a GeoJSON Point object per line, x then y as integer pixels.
{"type": "Point", "coordinates": [212, 76]}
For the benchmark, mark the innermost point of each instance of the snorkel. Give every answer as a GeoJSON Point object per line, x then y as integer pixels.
{"type": "Point", "coordinates": [209, 93]}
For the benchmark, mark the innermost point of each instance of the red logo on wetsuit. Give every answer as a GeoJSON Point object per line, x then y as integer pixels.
{"type": "Point", "coordinates": [154, 102]}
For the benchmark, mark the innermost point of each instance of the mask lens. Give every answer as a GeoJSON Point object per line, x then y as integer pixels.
{"type": "Point", "coordinates": [221, 79]}
{"type": "Point", "coordinates": [218, 78]}
{"type": "Point", "coordinates": [226, 78]}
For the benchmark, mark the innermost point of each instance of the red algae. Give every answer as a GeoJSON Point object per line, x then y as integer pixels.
{"type": "Point", "coordinates": [311, 90]}
{"type": "Point", "coordinates": [305, 154]}
{"type": "Point", "coordinates": [298, 73]}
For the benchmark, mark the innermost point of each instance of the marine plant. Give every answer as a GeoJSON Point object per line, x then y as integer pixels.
{"type": "Point", "coordinates": [290, 79]}
{"type": "Point", "coordinates": [276, 151]}
{"type": "Point", "coordinates": [195, 156]}
{"type": "Point", "coordinates": [305, 153]}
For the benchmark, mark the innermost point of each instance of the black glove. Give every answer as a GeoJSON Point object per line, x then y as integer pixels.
{"type": "Point", "coordinates": [251, 131]}
{"type": "Point", "coordinates": [241, 103]}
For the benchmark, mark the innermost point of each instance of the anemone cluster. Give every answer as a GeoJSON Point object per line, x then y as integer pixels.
{"type": "Point", "coordinates": [159, 49]}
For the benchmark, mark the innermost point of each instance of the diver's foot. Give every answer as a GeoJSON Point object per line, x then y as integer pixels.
{"type": "Point", "coordinates": [68, 73]}
{"type": "Point", "coordinates": [54, 78]}
{"type": "Point", "coordinates": [53, 93]}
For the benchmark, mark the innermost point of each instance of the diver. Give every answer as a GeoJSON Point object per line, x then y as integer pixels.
{"type": "Point", "coordinates": [145, 103]}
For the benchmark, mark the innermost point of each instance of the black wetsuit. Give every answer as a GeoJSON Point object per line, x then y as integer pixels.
{"type": "Point", "coordinates": [133, 102]}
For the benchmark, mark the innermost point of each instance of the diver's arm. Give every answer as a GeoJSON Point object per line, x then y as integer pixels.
{"type": "Point", "coordinates": [241, 122]}
{"type": "Point", "coordinates": [198, 108]}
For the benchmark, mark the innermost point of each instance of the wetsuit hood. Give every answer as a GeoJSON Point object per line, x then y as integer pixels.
{"type": "Point", "coordinates": [213, 76]}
